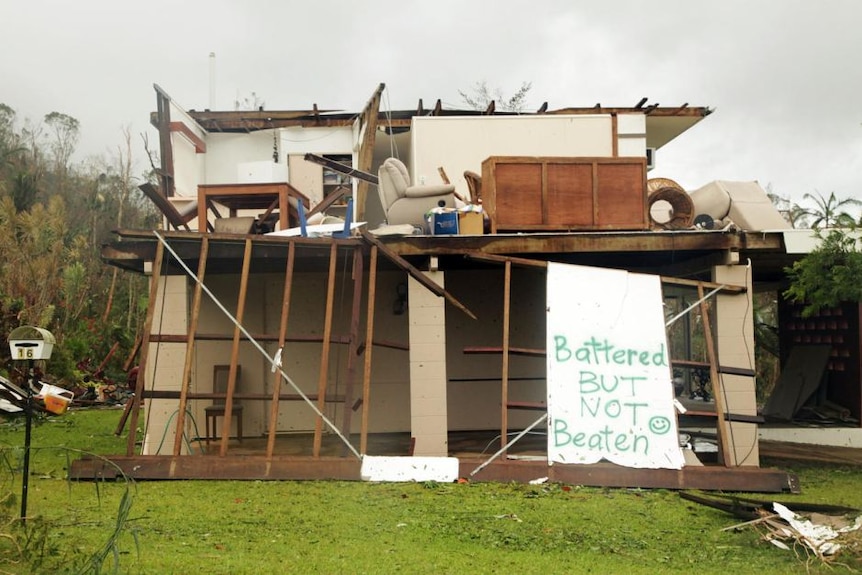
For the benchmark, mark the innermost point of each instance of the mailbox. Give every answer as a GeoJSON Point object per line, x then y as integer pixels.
{"type": "Point", "coordinates": [28, 342]}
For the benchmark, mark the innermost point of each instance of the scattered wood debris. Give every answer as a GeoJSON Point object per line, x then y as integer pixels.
{"type": "Point", "coordinates": [821, 532]}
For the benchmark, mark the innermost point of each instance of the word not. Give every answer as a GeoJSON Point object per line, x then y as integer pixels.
{"type": "Point", "coordinates": [595, 352]}
{"type": "Point", "coordinates": [613, 409]}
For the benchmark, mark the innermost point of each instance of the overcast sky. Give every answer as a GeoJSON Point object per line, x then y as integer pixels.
{"type": "Point", "coordinates": [783, 76]}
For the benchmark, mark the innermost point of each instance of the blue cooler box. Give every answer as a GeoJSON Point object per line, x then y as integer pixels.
{"type": "Point", "coordinates": [443, 224]}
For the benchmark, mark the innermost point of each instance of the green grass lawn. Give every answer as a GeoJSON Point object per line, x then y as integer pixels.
{"type": "Point", "coordinates": [352, 527]}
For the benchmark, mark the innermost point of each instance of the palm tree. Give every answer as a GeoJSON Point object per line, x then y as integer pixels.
{"type": "Point", "coordinates": [828, 212]}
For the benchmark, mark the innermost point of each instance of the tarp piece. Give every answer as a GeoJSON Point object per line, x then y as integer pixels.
{"type": "Point", "coordinates": [800, 377]}
{"type": "Point", "coordinates": [609, 382]}
{"type": "Point", "coordinates": [745, 203]}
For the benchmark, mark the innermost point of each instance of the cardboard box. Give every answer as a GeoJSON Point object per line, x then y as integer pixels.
{"type": "Point", "coordinates": [470, 223]}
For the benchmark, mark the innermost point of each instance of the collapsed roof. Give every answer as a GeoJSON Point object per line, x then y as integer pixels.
{"type": "Point", "coordinates": [663, 123]}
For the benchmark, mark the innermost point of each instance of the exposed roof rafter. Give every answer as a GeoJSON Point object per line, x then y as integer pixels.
{"type": "Point", "coordinates": [252, 120]}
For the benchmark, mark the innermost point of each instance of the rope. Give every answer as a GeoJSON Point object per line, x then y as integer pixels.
{"type": "Point", "coordinates": [508, 445]}
{"type": "Point", "coordinates": [272, 361]}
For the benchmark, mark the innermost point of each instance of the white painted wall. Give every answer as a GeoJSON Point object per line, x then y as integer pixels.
{"type": "Point", "coordinates": [188, 164]}
{"type": "Point", "coordinates": [631, 135]}
{"type": "Point", "coordinates": [299, 140]}
{"type": "Point", "coordinates": [463, 143]}
{"type": "Point", "coordinates": [227, 152]}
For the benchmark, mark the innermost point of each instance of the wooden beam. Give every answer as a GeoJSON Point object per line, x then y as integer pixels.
{"type": "Point", "coordinates": [725, 439]}
{"type": "Point", "coordinates": [482, 349]}
{"type": "Point", "coordinates": [507, 307]}
{"type": "Point", "coordinates": [737, 417]}
{"type": "Point", "coordinates": [324, 353]}
{"type": "Point", "coordinates": [168, 394]}
{"type": "Point", "coordinates": [234, 351]}
{"type": "Point", "coordinates": [182, 128]}
{"type": "Point", "coordinates": [369, 336]}
{"type": "Point", "coordinates": [190, 347]}
{"type": "Point", "coordinates": [263, 337]}
{"type": "Point", "coordinates": [166, 175]}
{"type": "Point", "coordinates": [415, 273]}
{"type": "Point", "coordinates": [246, 121]}
{"type": "Point", "coordinates": [369, 119]}
{"type": "Point", "coordinates": [145, 349]}
{"type": "Point", "coordinates": [603, 474]}
{"type": "Point", "coordinates": [282, 333]}
{"type": "Point", "coordinates": [341, 168]}
{"type": "Point", "coordinates": [722, 369]}
{"type": "Point", "coordinates": [353, 346]}
{"type": "Point", "coordinates": [508, 259]}
{"type": "Point", "coordinates": [723, 288]}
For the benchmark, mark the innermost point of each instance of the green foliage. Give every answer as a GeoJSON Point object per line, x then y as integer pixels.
{"type": "Point", "coordinates": [54, 218]}
{"type": "Point", "coordinates": [828, 275]}
{"type": "Point", "coordinates": [70, 528]}
{"type": "Point", "coordinates": [829, 211]}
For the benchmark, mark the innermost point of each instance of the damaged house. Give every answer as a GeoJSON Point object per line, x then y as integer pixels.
{"type": "Point", "coordinates": [305, 312]}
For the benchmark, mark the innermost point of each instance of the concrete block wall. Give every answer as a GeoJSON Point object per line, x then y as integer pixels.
{"type": "Point", "coordinates": [165, 364]}
{"type": "Point", "coordinates": [734, 344]}
{"type": "Point", "coordinates": [427, 332]}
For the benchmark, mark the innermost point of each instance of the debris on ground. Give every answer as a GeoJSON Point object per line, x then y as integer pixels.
{"type": "Point", "coordinates": [819, 530]}
{"type": "Point", "coordinates": [819, 533]}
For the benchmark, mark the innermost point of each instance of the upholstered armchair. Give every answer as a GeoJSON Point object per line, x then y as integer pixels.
{"type": "Point", "coordinates": [406, 204]}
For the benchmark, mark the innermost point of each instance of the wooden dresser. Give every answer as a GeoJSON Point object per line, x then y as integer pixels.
{"type": "Point", "coordinates": [562, 193]}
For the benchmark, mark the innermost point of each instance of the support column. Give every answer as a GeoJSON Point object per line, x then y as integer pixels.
{"type": "Point", "coordinates": [428, 411]}
{"type": "Point", "coordinates": [165, 364]}
{"type": "Point", "coordinates": [734, 319]}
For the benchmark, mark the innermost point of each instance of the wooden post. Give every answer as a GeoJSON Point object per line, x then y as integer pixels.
{"type": "Point", "coordinates": [324, 354]}
{"type": "Point", "coordinates": [366, 148]}
{"type": "Point", "coordinates": [353, 346]}
{"type": "Point", "coordinates": [414, 273]}
{"type": "Point", "coordinates": [234, 352]}
{"type": "Point", "coordinates": [190, 346]}
{"type": "Point", "coordinates": [369, 335]}
{"type": "Point", "coordinates": [282, 334]}
{"type": "Point", "coordinates": [145, 349]}
{"type": "Point", "coordinates": [726, 451]}
{"type": "Point", "coordinates": [504, 407]}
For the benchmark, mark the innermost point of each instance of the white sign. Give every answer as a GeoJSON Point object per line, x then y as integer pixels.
{"type": "Point", "coordinates": [610, 394]}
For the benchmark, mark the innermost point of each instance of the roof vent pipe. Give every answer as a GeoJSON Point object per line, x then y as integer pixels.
{"type": "Point", "coordinates": [212, 81]}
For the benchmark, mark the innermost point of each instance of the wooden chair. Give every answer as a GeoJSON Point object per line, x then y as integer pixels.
{"type": "Point", "coordinates": [474, 184]}
{"type": "Point", "coordinates": [176, 218]}
{"type": "Point", "coordinates": [216, 410]}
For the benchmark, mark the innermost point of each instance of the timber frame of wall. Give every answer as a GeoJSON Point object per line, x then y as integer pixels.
{"type": "Point", "coordinates": [268, 465]}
